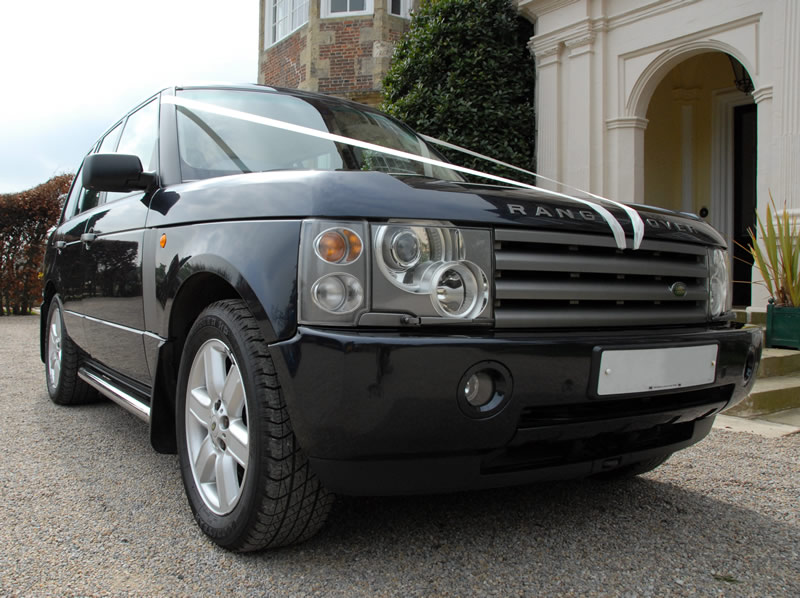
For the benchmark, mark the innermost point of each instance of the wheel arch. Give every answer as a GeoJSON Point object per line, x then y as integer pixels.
{"type": "Point", "coordinates": [216, 281]}
{"type": "Point", "coordinates": [47, 296]}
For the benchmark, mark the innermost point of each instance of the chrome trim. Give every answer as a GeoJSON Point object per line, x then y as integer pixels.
{"type": "Point", "coordinates": [121, 398]}
{"type": "Point", "coordinates": [114, 325]}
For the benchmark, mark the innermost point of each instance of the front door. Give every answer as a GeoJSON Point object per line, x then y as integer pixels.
{"type": "Point", "coordinates": [113, 304]}
{"type": "Point", "coordinates": [744, 198]}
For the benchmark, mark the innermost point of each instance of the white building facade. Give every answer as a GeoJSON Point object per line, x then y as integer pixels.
{"type": "Point", "coordinates": [636, 101]}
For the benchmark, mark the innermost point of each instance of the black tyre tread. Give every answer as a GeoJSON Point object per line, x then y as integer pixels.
{"type": "Point", "coordinates": [71, 389]}
{"type": "Point", "coordinates": [293, 504]}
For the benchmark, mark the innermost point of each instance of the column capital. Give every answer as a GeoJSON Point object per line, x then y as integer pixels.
{"type": "Point", "coordinates": [627, 122]}
{"type": "Point", "coordinates": [762, 93]}
{"type": "Point", "coordinates": [545, 54]}
{"type": "Point", "coordinates": [581, 44]}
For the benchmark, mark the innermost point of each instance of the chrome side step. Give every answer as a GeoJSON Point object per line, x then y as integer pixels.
{"type": "Point", "coordinates": [120, 397]}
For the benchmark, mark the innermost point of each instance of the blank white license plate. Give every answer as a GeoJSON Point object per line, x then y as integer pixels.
{"type": "Point", "coordinates": [643, 370]}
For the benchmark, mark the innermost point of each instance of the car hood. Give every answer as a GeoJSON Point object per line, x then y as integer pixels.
{"type": "Point", "coordinates": [378, 196]}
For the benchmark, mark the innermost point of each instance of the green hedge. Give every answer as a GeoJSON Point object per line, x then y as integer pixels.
{"type": "Point", "coordinates": [463, 73]}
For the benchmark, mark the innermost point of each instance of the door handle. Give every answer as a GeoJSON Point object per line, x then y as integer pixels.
{"type": "Point", "coordinates": [88, 237]}
{"type": "Point", "coordinates": [61, 245]}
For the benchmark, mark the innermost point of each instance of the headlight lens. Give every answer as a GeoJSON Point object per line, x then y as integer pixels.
{"type": "Point", "coordinates": [430, 265]}
{"type": "Point", "coordinates": [718, 283]}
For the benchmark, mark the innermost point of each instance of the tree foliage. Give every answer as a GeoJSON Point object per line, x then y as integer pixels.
{"type": "Point", "coordinates": [463, 73]}
{"type": "Point", "coordinates": [24, 221]}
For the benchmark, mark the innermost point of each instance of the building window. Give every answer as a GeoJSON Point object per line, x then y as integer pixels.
{"type": "Point", "coordinates": [283, 17]}
{"type": "Point", "coordinates": [399, 8]}
{"type": "Point", "coordinates": [342, 8]}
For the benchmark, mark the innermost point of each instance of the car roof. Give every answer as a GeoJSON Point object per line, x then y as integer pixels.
{"type": "Point", "coordinates": [273, 89]}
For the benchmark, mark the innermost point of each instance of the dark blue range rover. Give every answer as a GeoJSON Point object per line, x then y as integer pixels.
{"type": "Point", "coordinates": [302, 298]}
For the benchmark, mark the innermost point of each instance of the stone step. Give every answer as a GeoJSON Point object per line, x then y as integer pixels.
{"type": "Point", "coordinates": [757, 317]}
{"type": "Point", "coordinates": [779, 362]}
{"type": "Point", "coordinates": [769, 395]}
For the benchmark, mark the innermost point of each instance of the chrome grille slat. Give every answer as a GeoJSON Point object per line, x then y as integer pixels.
{"type": "Point", "coordinates": [568, 280]}
{"type": "Point", "coordinates": [567, 318]}
{"type": "Point", "coordinates": [621, 264]}
{"type": "Point", "coordinates": [585, 290]}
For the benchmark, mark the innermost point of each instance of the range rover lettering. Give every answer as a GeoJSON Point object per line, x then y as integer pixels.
{"type": "Point", "coordinates": [302, 298]}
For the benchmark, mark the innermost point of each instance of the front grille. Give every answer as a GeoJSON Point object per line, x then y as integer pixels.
{"type": "Point", "coordinates": [564, 280]}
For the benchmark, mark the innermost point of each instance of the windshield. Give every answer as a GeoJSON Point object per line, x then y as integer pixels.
{"type": "Point", "coordinates": [212, 145]}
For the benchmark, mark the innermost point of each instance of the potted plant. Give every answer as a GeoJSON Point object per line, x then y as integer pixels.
{"type": "Point", "coordinates": [777, 255]}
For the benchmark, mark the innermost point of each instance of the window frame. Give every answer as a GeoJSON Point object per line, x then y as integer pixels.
{"type": "Point", "coordinates": [405, 9]}
{"type": "Point", "coordinates": [269, 5]}
{"type": "Point", "coordinates": [325, 10]}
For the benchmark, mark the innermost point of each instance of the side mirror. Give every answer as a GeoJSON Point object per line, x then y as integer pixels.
{"type": "Point", "coordinates": [115, 172]}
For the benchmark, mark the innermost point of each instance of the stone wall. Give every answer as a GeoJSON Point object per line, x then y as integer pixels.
{"type": "Point", "coordinates": [282, 64]}
{"type": "Point", "coordinates": [344, 56]}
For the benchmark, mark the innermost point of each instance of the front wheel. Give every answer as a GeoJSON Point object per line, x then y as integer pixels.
{"type": "Point", "coordinates": [248, 483]}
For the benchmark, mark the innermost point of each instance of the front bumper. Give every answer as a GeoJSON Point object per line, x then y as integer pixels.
{"type": "Point", "coordinates": [379, 412]}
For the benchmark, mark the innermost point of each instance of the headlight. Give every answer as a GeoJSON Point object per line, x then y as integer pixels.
{"type": "Point", "coordinates": [719, 291]}
{"type": "Point", "coordinates": [433, 270]}
{"type": "Point", "coordinates": [393, 274]}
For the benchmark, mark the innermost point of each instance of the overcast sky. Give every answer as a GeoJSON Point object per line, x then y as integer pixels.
{"type": "Point", "coordinates": [68, 70]}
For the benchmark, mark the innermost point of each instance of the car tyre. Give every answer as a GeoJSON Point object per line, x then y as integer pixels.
{"type": "Point", "coordinates": [62, 362]}
{"type": "Point", "coordinates": [248, 483]}
{"type": "Point", "coordinates": [634, 469]}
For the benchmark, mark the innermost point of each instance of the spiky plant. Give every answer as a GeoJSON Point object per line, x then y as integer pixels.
{"type": "Point", "coordinates": [777, 254]}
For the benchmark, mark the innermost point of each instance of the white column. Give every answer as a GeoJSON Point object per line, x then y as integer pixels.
{"type": "Point", "coordinates": [548, 111]}
{"type": "Point", "coordinates": [626, 142]}
{"type": "Point", "coordinates": [578, 155]}
{"type": "Point", "coordinates": [765, 168]}
{"type": "Point", "coordinates": [787, 137]}
{"type": "Point", "coordinates": [687, 98]}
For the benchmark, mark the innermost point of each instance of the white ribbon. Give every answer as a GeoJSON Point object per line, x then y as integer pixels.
{"type": "Point", "coordinates": [636, 220]}
{"type": "Point", "coordinates": [613, 223]}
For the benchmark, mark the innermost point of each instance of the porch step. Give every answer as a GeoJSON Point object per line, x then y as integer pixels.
{"type": "Point", "coordinates": [779, 362]}
{"type": "Point", "coordinates": [770, 395]}
{"type": "Point", "coordinates": [751, 315]}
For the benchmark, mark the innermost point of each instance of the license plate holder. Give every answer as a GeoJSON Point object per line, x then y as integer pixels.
{"type": "Point", "coordinates": [654, 369]}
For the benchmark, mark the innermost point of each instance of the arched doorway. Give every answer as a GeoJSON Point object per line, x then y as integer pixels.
{"type": "Point", "coordinates": [700, 150]}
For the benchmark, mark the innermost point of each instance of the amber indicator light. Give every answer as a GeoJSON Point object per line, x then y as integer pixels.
{"type": "Point", "coordinates": [163, 241]}
{"type": "Point", "coordinates": [339, 246]}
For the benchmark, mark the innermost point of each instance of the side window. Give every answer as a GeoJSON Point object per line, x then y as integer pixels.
{"type": "Point", "coordinates": [341, 8]}
{"type": "Point", "coordinates": [79, 199]}
{"type": "Point", "coordinates": [71, 207]}
{"type": "Point", "coordinates": [109, 143]}
{"type": "Point", "coordinates": [400, 8]}
{"type": "Point", "coordinates": [140, 138]}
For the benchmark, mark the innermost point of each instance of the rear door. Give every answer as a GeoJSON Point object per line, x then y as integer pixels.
{"type": "Point", "coordinates": [70, 269]}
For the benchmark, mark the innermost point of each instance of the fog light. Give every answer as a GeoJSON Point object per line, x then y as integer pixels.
{"type": "Point", "coordinates": [479, 389]}
{"type": "Point", "coordinates": [484, 390]}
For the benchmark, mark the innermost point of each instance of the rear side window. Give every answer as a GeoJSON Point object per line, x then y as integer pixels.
{"type": "Point", "coordinates": [109, 143]}
{"type": "Point", "coordinates": [140, 136]}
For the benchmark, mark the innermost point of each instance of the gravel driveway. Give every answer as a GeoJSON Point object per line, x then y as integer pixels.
{"type": "Point", "coordinates": [89, 508]}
